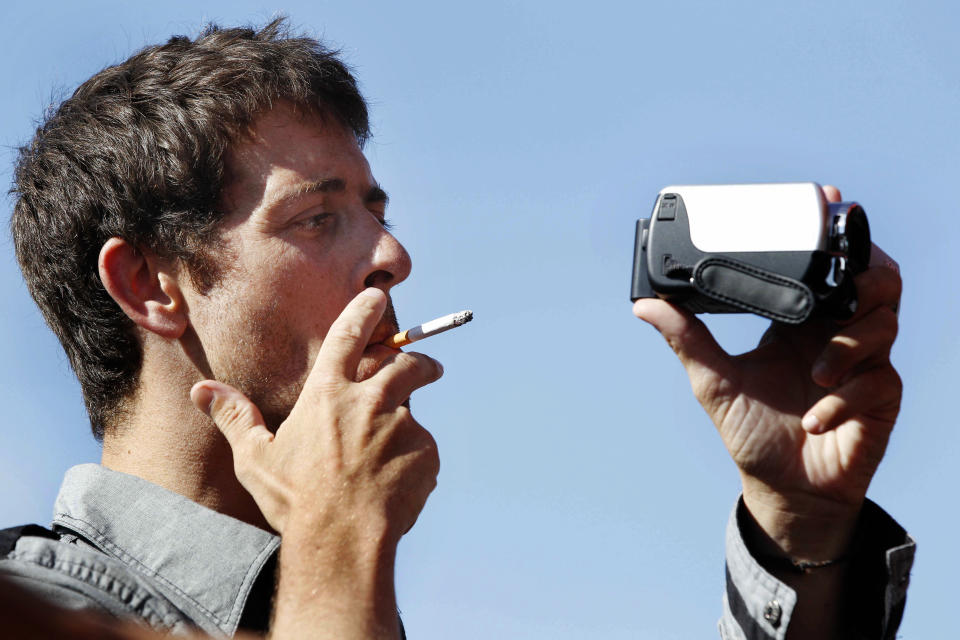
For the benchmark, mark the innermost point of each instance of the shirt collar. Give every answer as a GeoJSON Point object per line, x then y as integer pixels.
{"type": "Point", "coordinates": [203, 561]}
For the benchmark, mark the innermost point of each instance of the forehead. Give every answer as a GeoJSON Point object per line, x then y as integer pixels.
{"type": "Point", "coordinates": [287, 145]}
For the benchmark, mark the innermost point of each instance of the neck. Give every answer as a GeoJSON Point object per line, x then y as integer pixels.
{"type": "Point", "coordinates": [166, 441]}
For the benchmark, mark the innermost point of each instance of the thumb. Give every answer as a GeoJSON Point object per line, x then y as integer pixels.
{"type": "Point", "coordinates": [687, 336]}
{"type": "Point", "coordinates": [238, 419]}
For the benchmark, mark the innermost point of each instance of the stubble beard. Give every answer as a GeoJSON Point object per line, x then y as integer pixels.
{"type": "Point", "coordinates": [270, 366]}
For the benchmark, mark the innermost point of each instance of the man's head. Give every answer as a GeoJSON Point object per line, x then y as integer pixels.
{"type": "Point", "coordinates": [146, 152]}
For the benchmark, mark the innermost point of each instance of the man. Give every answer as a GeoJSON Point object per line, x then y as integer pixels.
{"type": "Point", "coordinates": [202, 231]}
{"type": "Point", "coordinates": [204, 210]}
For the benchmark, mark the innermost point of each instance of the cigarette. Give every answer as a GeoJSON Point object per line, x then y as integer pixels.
{"type": "Point", "coordinates": [428, 329]}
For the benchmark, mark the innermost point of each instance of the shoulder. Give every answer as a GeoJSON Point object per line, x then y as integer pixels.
{"type": "Point", "coordinates": [75, 575]}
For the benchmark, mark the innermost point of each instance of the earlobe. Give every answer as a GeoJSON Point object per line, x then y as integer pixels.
{"type": "Point", "coordinates": [146, 292]}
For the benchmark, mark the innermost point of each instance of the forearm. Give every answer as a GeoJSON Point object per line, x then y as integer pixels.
{"type": "Point", "coordinates": [335, 587]}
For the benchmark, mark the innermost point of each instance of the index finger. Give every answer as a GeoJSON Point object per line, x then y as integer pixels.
{"type": "Point", "coordinates": [879, 258]}
{"type": "Point", "coordinates": [880, 285]}
{"type": "Point", "coordinates": [348, 336]}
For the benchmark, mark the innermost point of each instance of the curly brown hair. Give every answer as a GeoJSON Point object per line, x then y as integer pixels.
{"type": "Point", "coordinates": [138, 152]}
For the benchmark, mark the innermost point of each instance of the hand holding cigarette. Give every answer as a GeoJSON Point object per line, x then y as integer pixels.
{"type": "Point", "coordinates": [378, 467]}
{"type": "Point", "coordinates": [428, 329]}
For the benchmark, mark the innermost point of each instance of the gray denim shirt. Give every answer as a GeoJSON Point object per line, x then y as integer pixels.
{"type": "Point", "coordinates": [133, 549]}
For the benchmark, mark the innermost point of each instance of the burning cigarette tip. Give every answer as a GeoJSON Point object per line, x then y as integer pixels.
{"type": "Point", "coordinates": [462, 318]}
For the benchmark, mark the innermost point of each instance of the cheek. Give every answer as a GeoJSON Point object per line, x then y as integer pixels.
{"type": "Point", "coordinates": [311, 296]}
{"type": "Point", "coordinates": [258, 342]}
{"type": "Point", "coordinates": [277, 309]}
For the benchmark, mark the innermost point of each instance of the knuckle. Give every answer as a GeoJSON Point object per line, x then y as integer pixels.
{"type": "Point", "coordinates": [888, 283]}
{"type": "Point", "coordinates": [887, 392]}
{"type": "Point", "coordinates": [426, 440]}
{"type": "Point", "coordinates": [896, 381]}
{"type": "Point", "coordinates": [372, 397]}
{"type": "Point", "coordinates": [877, 285]}
{"type": "Point", "coordinates": [880, 381]}
{"type": "Point", "coordinates": [889, 321]}
{"type": "Point", "coordinates": [894, 278]}
{"type": "Point", "coordinates": [327, 385]}
{"type": "Point", "coordinates": [433, 457]}
{"type": "Point", "coordinates": [425, 444]}
{"type": "Point", "coordinates": [231, 416]}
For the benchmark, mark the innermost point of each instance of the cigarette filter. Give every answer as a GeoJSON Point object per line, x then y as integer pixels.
{"type": "Point", "coordinates": [428, 329]}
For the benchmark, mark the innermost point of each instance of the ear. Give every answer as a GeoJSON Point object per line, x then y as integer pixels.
{"type": "Point", "coordinates": [144, 288]}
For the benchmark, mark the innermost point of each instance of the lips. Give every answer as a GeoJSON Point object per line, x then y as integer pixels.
{"type": "Point", "coordinates": [375, 352]}
{"type": "Point", "coordinates": [384, 330]}
{"type": "Point", "coordinates": [387, 326]}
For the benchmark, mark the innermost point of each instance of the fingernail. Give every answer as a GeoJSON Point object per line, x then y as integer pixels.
{"type": "Point", "coordinates": [213, 398]}
{"type": "Point", "coordinates": [371, 292]}
{"type": "Point", "coordinates": [208, 409]}
{"type": "Point", "coordinates": [821, 372]}
{"type": "Point", "coordinates": [203, 397]}
{"type": "Point", "coordinates": [810, 423]}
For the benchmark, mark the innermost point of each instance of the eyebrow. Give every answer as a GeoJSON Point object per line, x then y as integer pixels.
{"type": "Point", "coordinates": [328, 185]}
{"type": "Point", "coordinates": [376, 195]}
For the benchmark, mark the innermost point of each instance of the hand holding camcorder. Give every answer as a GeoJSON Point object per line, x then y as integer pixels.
{"type": "Point", "coordinates": [777, 250]}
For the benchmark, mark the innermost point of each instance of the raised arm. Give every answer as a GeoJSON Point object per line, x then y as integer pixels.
{"type": "Point", "coordinates": [806, 417]}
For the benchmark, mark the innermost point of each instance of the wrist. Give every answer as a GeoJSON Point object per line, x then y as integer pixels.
{"type": "Point", "coordinates": [358, 554]}
{"type": "Point", "coordinates": [802, 528]}
{"type": "Point", "coordinates": [339, 579]}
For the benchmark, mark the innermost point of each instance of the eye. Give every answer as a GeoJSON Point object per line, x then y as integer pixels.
{"type": "Point", "coordinates": [317, 221]}
{"type": "Point", "coordinates": [379, 211]}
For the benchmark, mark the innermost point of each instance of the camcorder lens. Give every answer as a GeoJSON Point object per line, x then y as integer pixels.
{"type": "Point", "coordinates": [850, 235]}
{"type": "Point", "coordinates": [858, 239]}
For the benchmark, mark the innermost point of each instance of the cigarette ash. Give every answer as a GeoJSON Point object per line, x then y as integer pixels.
{"type": "Point", "coordinates": [462, 318]}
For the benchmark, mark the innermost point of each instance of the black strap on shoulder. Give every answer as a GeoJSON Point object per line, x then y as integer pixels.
{"type": "Point", "coordinates": [752, 289]}
{"type": "Point", "coordinates": [9, 537]}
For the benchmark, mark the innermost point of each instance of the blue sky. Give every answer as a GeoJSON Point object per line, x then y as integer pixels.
{"type": "Point", "coordinates": [583, 492]}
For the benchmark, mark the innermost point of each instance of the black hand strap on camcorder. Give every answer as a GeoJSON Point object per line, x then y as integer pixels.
{"type": "Point", "coordinates": [752, 289]}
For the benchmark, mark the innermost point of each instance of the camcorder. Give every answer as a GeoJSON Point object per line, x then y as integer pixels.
{"type": "Point", "coordinates": [777, 250]}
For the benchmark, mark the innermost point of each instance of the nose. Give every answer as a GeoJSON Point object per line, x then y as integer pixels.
{"type": "Point", "coordinates": [390, 263]}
